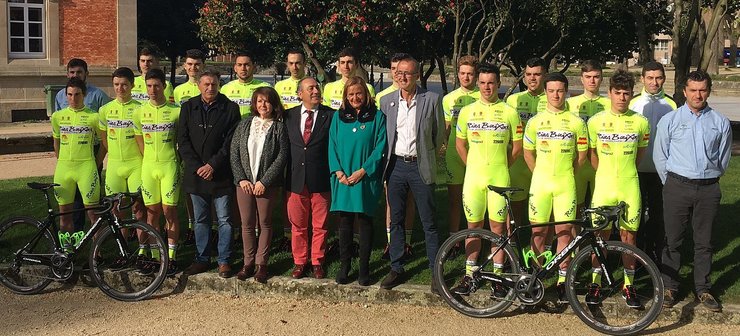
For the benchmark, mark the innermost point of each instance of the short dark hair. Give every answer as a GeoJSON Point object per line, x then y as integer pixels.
{"type": "Point", "coordinates": [349, 51]}
{"type": "Point", "coordinates": [591, 65]}
{"type": "Point", "coordinates": [397, 57]}
{"type": "Point", "coordinates": [536, 62]}
{"type": "Point", "coordinates": [156, 74]}
{"type": "Point", "coordinates": [77, 62]}
{"type": "Point", "coordinates": [622, 80]}
{"type": "Point", "coordinates": [124, 72]}
{"type": "Point", "coordinates": [652, 66]}
{"type": "Point", "coordinates": [296, 51]}
{"type": "Point", "coordinates": [78, 83]}
{"type": "Point", "coordinates": [489, 68]}
{"type": "Point", "coordinates": [147, 52]}
{"type": "Point", "coordinates": [244, 53]}
{"type": "Point", "coordinates": [555, 77]}
{"type": "Point", "coordinates": [196, 54]}
{"type": "Point", "coordinates": [274, 99]}
{"type": "Point", "coordinates": [699, 76]}
{"type": "Point", "coordinates": [211, 73]}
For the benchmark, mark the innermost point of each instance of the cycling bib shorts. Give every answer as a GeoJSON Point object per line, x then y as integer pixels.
{"type": "Point", "coordinates": [76, 131]}
{"type": "Point", "coordinates": [452, 103]}
{"type": "Point", "coordinates": [160, 182]}
{"type": "Point", "coordinates": [527, 105]}
{"type": "Point", "coordinates": [586, 108]}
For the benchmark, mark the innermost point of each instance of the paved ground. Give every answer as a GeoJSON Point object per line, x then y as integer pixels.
{"type": "Point", "coordinates": [27, 165]}
{"type": "Point", "coordinates": [86, 311]}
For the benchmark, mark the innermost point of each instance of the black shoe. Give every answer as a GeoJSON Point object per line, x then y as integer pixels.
{"type": "Point", "coordinates": [499, 291]}
{"type": "Point", "coordinates": [465, 286]}
{"type": "Point", "coordinates": [189, 238]}
{"type": "Point", "coordinates": [562, 298]}
{"type": "Point", "coordinates": [670, 298]}
{"type": "Point", "coordinates": [118, 264]}
{"type": "Point", "coordinates": [630, 296]}
{"type": "Point", "coordinates": [593, 297]}
{"type": "Point", "coordinates": [172, 268]}
{"type": "Point", "coordinates": [391, 280]}
{"type": "Point", "coordinates": [708, 301]}
{"type": "Point", "coordinates": [145, 265]}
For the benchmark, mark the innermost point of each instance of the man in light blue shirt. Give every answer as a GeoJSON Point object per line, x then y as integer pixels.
{"type": "Point", "coordinates": [691, 153]}
{"type": "Point", "coordinates": [95, 98]}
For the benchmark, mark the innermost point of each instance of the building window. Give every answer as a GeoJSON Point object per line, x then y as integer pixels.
{"type": "Point", "coordinates": [661, 45]}
{"type": "Point", "coordinates": [26, 29]}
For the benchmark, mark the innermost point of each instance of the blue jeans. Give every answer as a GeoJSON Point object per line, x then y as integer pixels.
{"type": "Point", "coordinates": [202, 214]}
{"type": "Point", "coordinates": [404, 176]}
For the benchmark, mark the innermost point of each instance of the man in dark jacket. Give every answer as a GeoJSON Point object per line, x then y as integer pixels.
{"type": "Point", "coordinates": [307, 182]}
{"type": "Point", "coordinates": [207, 123]}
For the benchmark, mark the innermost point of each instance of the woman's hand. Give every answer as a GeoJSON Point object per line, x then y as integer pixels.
{"type": "Point", "coordinates": [342, 177]}
{"type": "Point", "coordinates": [356, 176]}
{"type": "Point", "coordinates": [247, 186]}
{"type": "Point", "coordinates": [259, 189]}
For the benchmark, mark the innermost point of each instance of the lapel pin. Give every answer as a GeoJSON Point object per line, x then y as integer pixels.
{"type": "Point", "coordinates": [393, 104]}
{"type": "Point", "coordinates": [362, 126]}
{"type": "Point", "coordinates": [354, 129]}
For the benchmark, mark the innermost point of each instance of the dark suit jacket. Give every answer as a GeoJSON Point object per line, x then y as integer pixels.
{"type": "Point", "coordinates": [205, 138]}
{"type": "Point", "coordinates": [308, 164]}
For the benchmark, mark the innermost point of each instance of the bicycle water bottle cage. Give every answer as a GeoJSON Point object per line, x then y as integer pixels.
{"type": "Point", "coordinates": [529, 254]}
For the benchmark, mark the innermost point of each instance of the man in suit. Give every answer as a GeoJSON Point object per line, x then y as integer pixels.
{"type": "Point", "coordinates": [416, 132]}
{"type": "Point", "coordinates": [308, 189]}
{"type": "Point", "coordinates": [206, 125]}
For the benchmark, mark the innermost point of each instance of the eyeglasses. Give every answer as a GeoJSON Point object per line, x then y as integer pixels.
{"type": "Point", "coordinates": [405, 74]}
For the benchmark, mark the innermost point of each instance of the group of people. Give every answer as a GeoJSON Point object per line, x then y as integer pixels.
{"type": "Point", "coordinates": [341, 149]}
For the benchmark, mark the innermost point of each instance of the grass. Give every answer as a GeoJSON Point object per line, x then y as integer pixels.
{"type": "Point", "coordinates": [20, 200]}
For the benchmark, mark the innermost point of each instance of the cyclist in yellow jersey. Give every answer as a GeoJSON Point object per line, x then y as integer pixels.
{"type": "Point", "coordinates": [155, 126]}
{"type": "Point", "coordinates": [527, 104]}
{"type": "Point", "coordinates": [194, 66]}
{"type": "Point", "coordinates": [240, 90]}
{"type": "Point", "coordinates": [617, 140]}
{"type": "Point", "coordinates": [397, 57]}
{"type": "Point", "coordinates": [148, 61]}
{"type": "Point", "coordinates": [347, 67]}
{"type": "Point", "coordinates": [74, 129]}
{"type": "Point", "coordinates": [586, 106]}
{"type": "Point", "coordinates": [555, 144]}
{"type": "Point", "coordinates": [489, 138]}
{"type": "Point", "coordinates": [452, 103]}
{"type": "Point", "coordinates": [287, 89]}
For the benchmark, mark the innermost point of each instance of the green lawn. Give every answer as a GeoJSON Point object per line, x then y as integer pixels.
{"type": "Point", "coordinates": [20, 200]}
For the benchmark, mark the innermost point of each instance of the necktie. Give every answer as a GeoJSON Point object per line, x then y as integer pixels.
{"type": "Point", "coordinates": [308, 126]}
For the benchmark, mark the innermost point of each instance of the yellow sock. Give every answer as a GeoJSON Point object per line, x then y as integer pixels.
{"type": "Point", "coordinates": [408, 236]}
{"type": "Point", "coordinates": [629, 277]}
{"type": "Point", "coordinates": [142, 249]}
{"type": "Point", "coordinates": [596, 276]}
{"type": "Point", "coordinates": [154, 249]}
{"type": "Point", "coordinates": [388, 234]}
{"type": "Point", "coordinates": [172, 251]}
{"type": "Point", "coordinates": [498, 268]}
{"type": "Point", "coordinates": [469, 265]}
{"type": "Point", "coordinates": [561, 276]}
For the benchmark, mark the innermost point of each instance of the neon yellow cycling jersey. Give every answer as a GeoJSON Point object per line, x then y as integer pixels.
{"type": "Point", "coordinates": [184, 92]}
{"type": "Point", "coordinates": [452, 104]}
{"type": "Point", "coordinates": [76, 131]}
{"type": "Point", "coordinates": [488, 129]}
{"type": "Point", "coordinates": [138, 91]}
{"type": "Point", "coordinates": [287, 89]}
{"type": "Point", "coordinates": [616, 138]}
{"type": "Point", "coordinates": [527, 104]}
{"type": "Point", "coordinates": [586, 108]}
{"type": "Point", "coordinates": [556, 137]}
{"type": "Point", "coordinates": [241, 93]}
{"type": "Point", "coordinates": [158, 126]}
{"type": "Point", "coordinates": [117, 120]}
{"type": "Point", "coordinates": [333, 93]}
{"type": "Point", "coordinates": [386, 91]}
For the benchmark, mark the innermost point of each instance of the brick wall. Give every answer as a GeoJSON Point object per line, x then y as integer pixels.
{"type": "Point", "coordinates": [88, 31]}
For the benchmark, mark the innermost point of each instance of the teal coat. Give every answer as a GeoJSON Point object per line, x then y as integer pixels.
{"type": "Point", "coordinates": [357, 142]}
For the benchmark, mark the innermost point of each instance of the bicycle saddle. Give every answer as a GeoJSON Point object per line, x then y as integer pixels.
{"type": "Point", "coordinates": [42, 186]}
{"type": "Point", "coordinates": [504, 190]}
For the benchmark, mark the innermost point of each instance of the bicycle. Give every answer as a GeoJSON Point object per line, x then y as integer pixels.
{"type": "Point", "coordinates": [31, 255]}
{"type": "Point", "coordinates": [492, 294]}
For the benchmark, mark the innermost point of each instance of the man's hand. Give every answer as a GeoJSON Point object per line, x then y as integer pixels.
{"type": "Point", "coordinates": [356, 176]}
{"type": "Point", "coordinates": [259, 189]}
{"type": "Point", "coordinates": [205, 172]}
{"type": "Point", "coordinates": [247, 186]}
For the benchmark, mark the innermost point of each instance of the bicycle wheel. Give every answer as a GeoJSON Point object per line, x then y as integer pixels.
{"type": "Point", "coordinates": [606, 309]}
{"type": "Point", "coordinates": [450, 268]}
{"type": "Point", "coordinates": [122, 269]}
{"type": "Point", "coordinates": [19, 275]}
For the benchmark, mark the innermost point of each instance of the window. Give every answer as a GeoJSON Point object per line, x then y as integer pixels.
{"type": "Point", "coordinates": [26, 29]}
{"type": "Point", "coordinates": [661, 45]}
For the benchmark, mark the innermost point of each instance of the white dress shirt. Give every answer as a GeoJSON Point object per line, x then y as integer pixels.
{"type": "Point", "coordinates": [406, 127]}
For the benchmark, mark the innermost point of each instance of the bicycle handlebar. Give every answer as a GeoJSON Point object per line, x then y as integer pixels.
{"type": "Point", "coordinates": [610, 214]}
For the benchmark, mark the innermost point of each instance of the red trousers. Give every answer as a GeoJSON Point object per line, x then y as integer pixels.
{"type": "Point", "coordinates": [301, 208]}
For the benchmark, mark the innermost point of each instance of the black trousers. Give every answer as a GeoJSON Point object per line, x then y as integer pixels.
{"type": "Point", "coordinates": [651, 233]}
{"type": "Point", "coordinates": [688, 205]}
{"type": "Point", "coordinates": [365, 224]}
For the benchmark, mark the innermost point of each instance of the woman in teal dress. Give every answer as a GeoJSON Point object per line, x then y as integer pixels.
{"type": "Point", "coordinates": [357, 143]}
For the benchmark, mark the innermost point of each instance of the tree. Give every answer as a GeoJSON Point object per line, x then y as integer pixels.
{"type": "Point", "coordinates": [168, 27]}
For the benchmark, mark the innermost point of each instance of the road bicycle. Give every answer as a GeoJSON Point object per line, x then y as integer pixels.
{"type": "Point", "coordinates": [602, 308]}
{"type": "Point", "coordinates": [33, 253]}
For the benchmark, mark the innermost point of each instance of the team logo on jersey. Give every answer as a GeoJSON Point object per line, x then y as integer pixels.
{"type": "Point", "coordinates": [75, 129]}
{"type": "Point", "coordinates": [475, 137]}
{"type": "Point", "coordinates": [139, 96]}
{"type": "Point", "coordinates": [617, 137]}
{"type": "Point", "coordinates": [606, 149]}
{"type": "Point", "coordinates": [242, 101]}
{"type": "Point", "coordinates": [545, 146]}
{"type": "Point", "coordinates": [164, 127]}
{"type": "Point", "coordinates": [291, 100]}
{"type": "Point", "coordinates": [554, 135]}
{"type": "Point", "coordinates": [120, 123]}
{"type": "Point", "coordinates": [455, 113]}
{"type": "Point", "coordinates": [488, 126]}
{"type": "Point", "coordinates": [519, 129]}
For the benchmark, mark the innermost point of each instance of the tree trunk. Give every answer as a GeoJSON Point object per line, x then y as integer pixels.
{"type": "Point", "coordinates": [709, 47]}
{"type": "Point", "coordinates": [426, 74]}
{"type": "Point", "coordinates": [442, 75]}
{"type": "Point", "coordinates": [173, 69]}
{"type": "Point", "coordinates": [733, 35]}
{"type": "Point", "coordinates": [644, 41]}
{"type": "Point", "coordinates": [685, 28]}
{"type": "Point", "coordinates": [321, 75]}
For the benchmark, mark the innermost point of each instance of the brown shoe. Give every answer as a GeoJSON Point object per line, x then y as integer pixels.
{"type": "Point", "coordinates": [299, 271]}
{"type": "Point", "coordinates": [196, 268]}
{"type": "Point", "coordinates": [246, 272]}
{"type": "Point", "coordinates": [318, 272]}
{"type": "Point", "coordinates": [224, 271]}
{"type": "Point", "coordinates": [261, 274]}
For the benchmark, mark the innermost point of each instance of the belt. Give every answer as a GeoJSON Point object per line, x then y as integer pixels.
{"type": "Point", "coordinates": [407, 158]}
{"type": "Point", "coordinates": [685, 179]}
